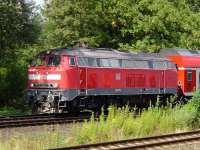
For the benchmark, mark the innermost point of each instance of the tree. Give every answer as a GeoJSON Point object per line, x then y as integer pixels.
{"type": "Point", "coordinates": [130, 24]}
{"type": "Point", "coordinates": [17, 24]}
{"type": "Point", "coordinates": [194, 5]}
{"type": "Point", "coordinates": [19, 27]}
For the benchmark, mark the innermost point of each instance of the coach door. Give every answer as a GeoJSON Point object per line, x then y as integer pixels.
{"type": "Point", "coordinates": [197, 78]}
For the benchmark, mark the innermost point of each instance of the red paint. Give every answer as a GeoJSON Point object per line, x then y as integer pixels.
{"type": "Point", "coordinates": [186, 63]}
{"type": "Point", "coordinates": [73, 77]}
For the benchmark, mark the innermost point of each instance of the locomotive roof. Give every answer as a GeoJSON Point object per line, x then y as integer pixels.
{"type": "Point", "coordinates": [106, 53]}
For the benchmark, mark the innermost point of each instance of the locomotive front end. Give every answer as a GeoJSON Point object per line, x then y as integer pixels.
{"type": "Point", "coordinates": [44, 83]}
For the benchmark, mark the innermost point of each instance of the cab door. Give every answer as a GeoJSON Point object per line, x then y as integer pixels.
{"type": "Point", "coordinates": [83, 78]}
{"type": "Point", "coordinates": [82, 68]}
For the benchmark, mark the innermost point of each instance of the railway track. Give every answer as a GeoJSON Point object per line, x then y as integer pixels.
{"type": "Point", "coordinates": [43, 119]}
{"type": "Point", "coordinates": [142, 143]}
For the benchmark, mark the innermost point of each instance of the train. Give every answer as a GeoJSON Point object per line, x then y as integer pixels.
{"type": "Point", "coordinates": [79, 78]}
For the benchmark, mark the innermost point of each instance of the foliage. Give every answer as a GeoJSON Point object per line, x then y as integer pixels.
{"type": "Point", "coordinates": [121, 124]}
{"type": "Point", "coordinates": [194, 5]}
{"type": "Point", "coordinates": [13, 76]}
{"type": "Point", "coordinates": [196, 100]}
{"type": "Point", "coordinates": [138, 25]}
{"type": "Point", "coordinates": [17, 23]}
{"type": "Point", "coordinates": [195, 104]}
{"type": "Point", "coordinates": [19, 27]}
{"type": "Point", "coordinates": [11, 111]}
{"type": "Point", "coordinates": [23, 141]}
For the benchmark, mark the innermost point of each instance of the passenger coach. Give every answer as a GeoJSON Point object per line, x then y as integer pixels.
{"type": "Point", "coordinates": [79, 78]}
{"type": "Point", "coordinates": [188, 64]}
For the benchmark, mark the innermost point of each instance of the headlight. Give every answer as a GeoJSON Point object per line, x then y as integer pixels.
{"type": "Point", "coordinates": [32, 85]}
{"type": "Point", "coordinates": [54, 85]}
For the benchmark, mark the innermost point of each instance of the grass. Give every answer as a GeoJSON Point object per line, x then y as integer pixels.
{"type": "Point", "coordinates": [44, 140]}
{"type": "Point", "coordinates": [121, 123]}
{"type": "Point", "coordinates": [11, 111]}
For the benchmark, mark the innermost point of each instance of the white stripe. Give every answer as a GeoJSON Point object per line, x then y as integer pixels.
{"type": "Point", "coordinates": [44, 77]}
{"type": "Point", "coordinates": [34, 77]}
{"type": "Point", "coordinates": [53, 77]}
{"type": "Point", "coordinates": [182, 68]}
{"type": "Point", "coordinates": [188, 93]}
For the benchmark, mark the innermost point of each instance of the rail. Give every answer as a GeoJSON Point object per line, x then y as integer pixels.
{"type": "Point", "coordinates": [141, 143]}
{"type": "Point", "coordinates": [43, 119]}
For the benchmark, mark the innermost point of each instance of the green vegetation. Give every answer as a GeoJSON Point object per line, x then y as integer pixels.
{"type": "Point", "coordinates": [11, 111]}
{"type": "Point", "coordinates": [19, 30]}
{"type": "Point", "coordinates": [13, 77]}
{"type": "Point", "coordinates": [37, 141]}
{"type": "Point", "coordinates": [130, 24]}
{"type": "Point", "coordinates": [121, 123]}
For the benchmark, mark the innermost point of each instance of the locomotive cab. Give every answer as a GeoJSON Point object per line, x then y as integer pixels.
{"type": "Point", "coordinates": [47, 93]}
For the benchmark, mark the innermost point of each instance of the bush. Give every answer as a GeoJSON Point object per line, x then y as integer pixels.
{"type": "Point", "coordinates": [13, 76]}
{"type": "Point", "coordinates": [11, 111]}
{"type": "Point", "coordinates": [121, 123]}
{"type": "Point", "coordinates": [194, 106]}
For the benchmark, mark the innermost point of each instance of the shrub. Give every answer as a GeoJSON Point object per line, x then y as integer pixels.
{"type": "Point", "coordinates": [194, 106]}
{"type": "Point", "coordinates": [121, 123]}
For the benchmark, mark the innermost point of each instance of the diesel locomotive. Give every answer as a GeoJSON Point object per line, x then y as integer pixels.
{"type": "Point", "coordinates": [73, 79]}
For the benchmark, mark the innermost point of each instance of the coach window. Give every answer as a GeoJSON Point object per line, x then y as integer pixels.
{"type": "Point", "coordinates": [72, 61]}
{"type": "Point", "coordinates": [189, 75]}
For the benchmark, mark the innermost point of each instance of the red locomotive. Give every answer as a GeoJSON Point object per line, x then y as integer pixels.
{"type": "Point", "coordinates": [87, 78]}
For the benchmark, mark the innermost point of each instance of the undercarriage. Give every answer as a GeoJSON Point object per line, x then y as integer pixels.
{"type": "Point", "coordinates": [44, 101]}
{"type": "Point", "coordinates": [56, 101]}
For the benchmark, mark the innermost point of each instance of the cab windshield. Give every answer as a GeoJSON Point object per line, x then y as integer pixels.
{"type": "Point", "coordinates": [46, 60]}
{"type": "Point", "coordinates": [39, 61]}
{"type": "Point", "coordinates": [54, 60]}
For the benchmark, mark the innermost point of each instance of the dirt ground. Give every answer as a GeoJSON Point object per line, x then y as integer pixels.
{"type": "Point", "coordinates": [64, 129]}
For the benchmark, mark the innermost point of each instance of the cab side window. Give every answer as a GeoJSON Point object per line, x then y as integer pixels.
{"type": "Point", "coordinates": [72, 61]}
